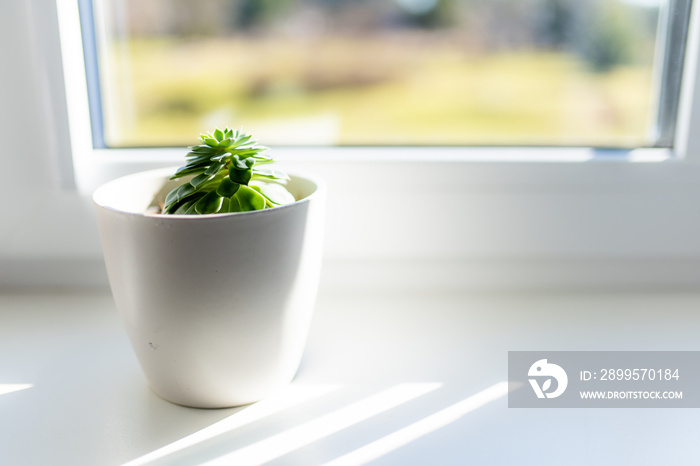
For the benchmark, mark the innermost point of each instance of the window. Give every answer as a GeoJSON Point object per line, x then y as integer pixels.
{"type": "Point", "coordinates": [423, 215]}
{"type": "Point", "coordinates": [599, 73]}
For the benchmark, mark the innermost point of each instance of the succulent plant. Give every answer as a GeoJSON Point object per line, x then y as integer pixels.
{"type": "Point", "coordinates": [227, 174]}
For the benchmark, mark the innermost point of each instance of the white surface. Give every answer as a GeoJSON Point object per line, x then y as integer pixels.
{"type": "Point", "coordinates": [399, 378]}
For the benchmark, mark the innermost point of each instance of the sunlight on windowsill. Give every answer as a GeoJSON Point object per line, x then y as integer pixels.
{"type": "Point", "coordinates": [347, 416]}
{"type": "Point", "coordinates": [423, 427]}
{"type": "Point", "coordinates": [6, 388]}
{"type": "Point", "coordinates": [288, 398]}
{"type": "Point", "coordinates": [312, 431]}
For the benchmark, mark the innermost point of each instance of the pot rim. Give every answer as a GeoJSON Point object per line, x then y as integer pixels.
{"type": "Point", "coordinates": [165, 173]}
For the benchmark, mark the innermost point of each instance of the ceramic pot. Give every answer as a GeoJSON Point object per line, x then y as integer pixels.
{"type": "Point", "coordinates": [217, 307]}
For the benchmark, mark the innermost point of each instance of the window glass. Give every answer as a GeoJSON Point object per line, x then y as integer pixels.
{"type": "Point", "coordinates": [379, 72]}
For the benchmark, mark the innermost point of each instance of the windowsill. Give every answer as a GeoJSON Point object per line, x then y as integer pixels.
{"type": "Point", "coordinates": [81, 398]}
{"type": "Point", "coordinates": [94, 167]}
{"type": "Point", "coordinates": [604, 222]}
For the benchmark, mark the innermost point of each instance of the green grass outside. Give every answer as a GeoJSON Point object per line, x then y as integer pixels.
{"type": "Point", "coordinates": [355, 91]}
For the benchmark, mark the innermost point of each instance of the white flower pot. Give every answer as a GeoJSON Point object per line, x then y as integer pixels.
{"type": "Point", "coordinates": [217, 307]}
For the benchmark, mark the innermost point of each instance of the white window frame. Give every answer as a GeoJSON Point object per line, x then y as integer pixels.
{"type": "Point", "coordinates": [537, 210]}
{"type": "Point", "coordinates": [95, 166]}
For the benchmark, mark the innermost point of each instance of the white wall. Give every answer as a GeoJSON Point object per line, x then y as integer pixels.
{"type": "Point", "coordinates": [47, 233]}
{"type": "Point", "coordinates": [391, 222]}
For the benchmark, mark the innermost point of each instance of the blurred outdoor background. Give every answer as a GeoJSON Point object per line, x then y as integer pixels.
{"type": "Point", "coordinates": [379, 72]}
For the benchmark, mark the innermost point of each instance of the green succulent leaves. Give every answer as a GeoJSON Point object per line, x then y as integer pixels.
{"type": "Point", "coordinates": [227, 176]}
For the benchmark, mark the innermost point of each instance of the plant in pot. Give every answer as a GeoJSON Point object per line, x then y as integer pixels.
{"type": "Point", "coordinates": [214, 270]}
